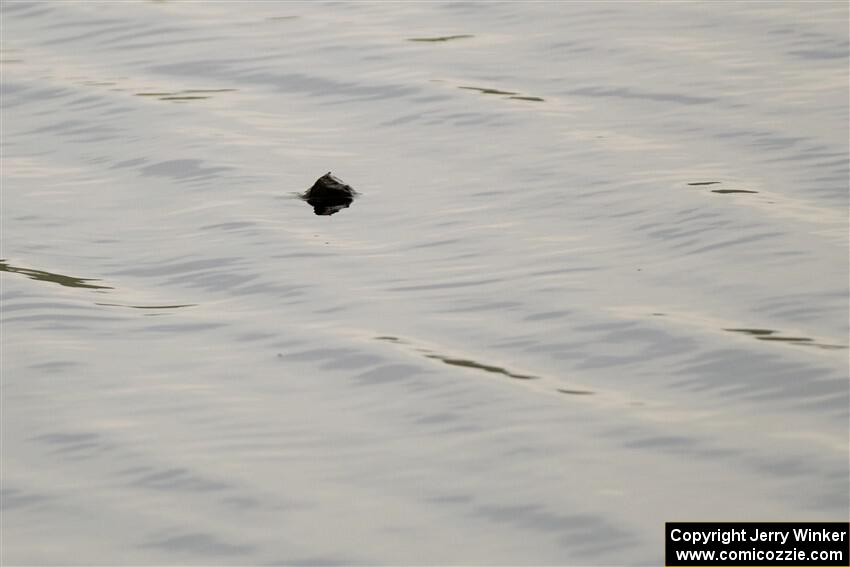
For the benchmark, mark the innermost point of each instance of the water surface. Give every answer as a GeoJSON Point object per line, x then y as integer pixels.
{"type": "Point", "coordinates": [596, 279]}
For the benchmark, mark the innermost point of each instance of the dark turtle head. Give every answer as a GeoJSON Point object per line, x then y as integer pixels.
{"type": "Point", "coordinates": [329, 195]}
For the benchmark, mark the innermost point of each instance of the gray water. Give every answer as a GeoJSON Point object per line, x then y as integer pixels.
{"type": "Point", "coordinates": [596, 279]}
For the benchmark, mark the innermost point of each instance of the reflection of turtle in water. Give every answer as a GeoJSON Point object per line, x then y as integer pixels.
{"type": "Point", "coordinates": [329, 195]}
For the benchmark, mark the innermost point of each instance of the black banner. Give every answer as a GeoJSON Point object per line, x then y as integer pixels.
{"type": "Point", "coordinates": [762, 544]}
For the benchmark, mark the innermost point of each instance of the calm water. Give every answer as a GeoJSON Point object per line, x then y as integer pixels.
{"type": "Point", "coordinates": [597, 279]}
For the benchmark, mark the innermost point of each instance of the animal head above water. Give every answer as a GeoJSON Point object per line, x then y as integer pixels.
{"type": "Point", "coordinates": [329, 195]}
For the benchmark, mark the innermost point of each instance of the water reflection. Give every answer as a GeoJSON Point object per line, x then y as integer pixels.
{"type": "Point", "coordinates": [628, 93]}
{"type": "Point", "coordinates": [509, 94]}
{"type": "Point", "coordinates": [771, 335]}
{"type": "Point", "coordinates": [584, 535]}
{"type": "Point", "coordinates": [68, 281]}
{"type": "Point", "coordinates": [440, 38]}
{"type": "Point", "coordinates": [576, 392]}
{"type": "Point", "coordinates": [720, 191]}
{"type": "Point", "coordinates": [200, 544]}
{"type": "Point", "coordinates": [148, 306]}
{"type": "Point", "coordinates": [177, 479]}
{"type": "Point", "coordinates": [477, 365]}
{"type": "Point", "coordinates": [488, 91]}
{"type": "Point", "coordinates": [11, 498]}
{"type": "Point", "coordinates": [73, 446]}
{"type": "Point", "coordinates": [465, 363]}
{"type": "Point", "coordinates": [529, 98]}
{"type": "Point", "coordinates": [184, 95]}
